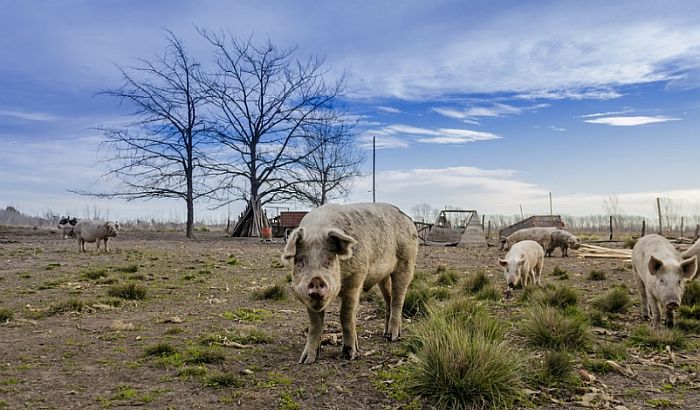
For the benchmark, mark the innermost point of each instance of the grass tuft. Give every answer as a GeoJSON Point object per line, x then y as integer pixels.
{"type": "Point", "coordinates": [196, 355]}
{"type": "Point", "coordinates": [447, 278]}
{"type": "Point", "coordinates": [557, 369]}
{"type": "Point", "coordinates": [559, 272]}
{"type": "Point", "coordinates": [475, 282]}
{"type": "Point", "coordinates": [416, 302]}
{"type": "Point", "coordinates": [490, 292]}
{"type": "Point", "coordinates": [612, 351]}
{"type": "Point", "coordinates": [550, 328]}
{"type": "Point", "coordinates": [160, 349]}
{"type": "Point", "coordinates": [616, 300]}
{"type": "Point", "coordinates": [560, 297]}
{"type": "Point", "coordinates": [645, 336]}
{"type": "Point", "coordinates": [65, 306]}
{"type": "Point", "coordinates": [6, 315]}
{"type": "Point", "coordinates": [128, 269]}
{"type": "Point", "coordinates": [274, 292]}
{"type": "Point", "coordinates": [94, 274]}
{"type": "Point", "coordinates": [691, 296]}
{"type": "Point", "coordinates": [129, 291]}
{"type": "Point", "coordinates": [596, 275]}
{"type": "Point", "coordinates": [221, 380]}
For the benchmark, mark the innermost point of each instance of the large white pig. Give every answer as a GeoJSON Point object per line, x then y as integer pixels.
{"type": "Point", "coordinates": [523, 264]}
{"type": "Point", "coordinates": [341, 250]}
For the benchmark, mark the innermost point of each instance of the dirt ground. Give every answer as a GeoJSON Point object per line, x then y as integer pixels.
{"type": "Point", "coordinates": [213, 345]}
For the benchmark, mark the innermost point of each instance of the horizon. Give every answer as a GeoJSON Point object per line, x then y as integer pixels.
{"type": "Point", "coordinates": [474, 105]}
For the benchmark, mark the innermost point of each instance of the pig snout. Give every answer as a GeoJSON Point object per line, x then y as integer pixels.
{"type": "Point", "coordinates": [317, 288]}
{"type": "Point", "coordinates": [511, 285]}
{"type": "Point", "coordinates": [672, 305]}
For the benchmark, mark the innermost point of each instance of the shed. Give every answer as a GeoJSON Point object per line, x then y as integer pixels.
{"type": "Point", "coordinates": [456, 227]}
{"type": "Point", "coordinates": [535, 221]}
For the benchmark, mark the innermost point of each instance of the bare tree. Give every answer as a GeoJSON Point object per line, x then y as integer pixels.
{"type": "Point", "coordinates": [265, 101]}
{"type": "Point", "coordinates": [423, 212]}
{"type": "Point", "coordinates": [613, 208]}
{"type": "Point", "coordinates": [161, 153]}
{"type": "Point", "coordinates": [334, 160]}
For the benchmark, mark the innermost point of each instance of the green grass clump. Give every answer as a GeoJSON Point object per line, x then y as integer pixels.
{"type": "Point", "coordinates": [689, 312]}
{"type": "Point", "coordinates": [440, 293]}
{"type": "Point", "coordinates": [560, 297]}
{"type": "Point", "coordinates": [232, 260]}
{"type": "Point", "coordinates": [419, 276]}
{"type": "Point", "coordinates": [225, 379]}
{"type": "Point", "coordinates": [629, 243]}
{"type": "Point", "coordinates": [645, 336]}
{"type": "Point", "coordinates": [94, 274]}
{"type": "Point", "coordinates": [473, 315]}
{"type": "Point", "coordinates": [612, 351]}
{"type": "Point", "coordinates": [250, 337]}
{"type": "Point", "coordinates": [475, 282]}
{"type": "Point", "coordinates": [687, 325]}
{"type": "Point", "coordinates": [6, 315]}
{"type": "Point", "coordinates": [187, 372]}
{"type": "Point", "coordinates": [550, 328]}
{"type": "Point", "coordinates": [416, 301]}
{"type": "Point", "coordinates": [196, 355]}
{"type": "Point", "coordinates": [596, 275]}
{"type": "Point", "coordinates": [447, 278]}
{"type": "Point", "coordinates": [65, 306]}
{"type": "Point", "coordinates": [459, 368]}
{"type": "Point", "coordinates": [128, 269]}
{"type": "Point", "coordinates": [490, 292]}
{"type": "Point", "coordinates": [247, 315]}
{"type": "Point", "coordinates": [556, 370]}
{"type": "Point", "coordinates": [129, 291]}
{"type": "Point", "coordinates": [160, 349]}
{"type": "Point", "coordinates": [274, 292]}
{"type": "Point", "coordinates": [598, 366]}
{"type": "Point", "coordinates": [558, 272]}
{"type": "Point", "coordinates": [616, 300]}
{"type": "Point", "coordinates": [691, 296]}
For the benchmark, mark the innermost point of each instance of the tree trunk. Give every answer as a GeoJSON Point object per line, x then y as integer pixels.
{"type": "Point", "coordinates": [190, 205]}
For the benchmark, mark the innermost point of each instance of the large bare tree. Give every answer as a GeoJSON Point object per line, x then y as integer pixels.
{"type": "Point", "coordinates": [161, 152]}
{"type": "Point", "coordinates": [265, 99]}
{"type": "Point", "coordinates": [334, 160]}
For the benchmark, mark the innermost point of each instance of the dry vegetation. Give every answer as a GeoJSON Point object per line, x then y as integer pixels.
{"type": "Point", "coordinates": [163, 322]}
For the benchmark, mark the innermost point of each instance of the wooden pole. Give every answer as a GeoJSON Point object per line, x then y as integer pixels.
{"type": "Point", "coordinates": [697, 230]}
{"type": "Point", "coordinates": [374, 161]}
{"type": "Point", "coordinates": [488, 231]}
{"type": "Point", "coordinates": [522, 216]}
{"type": "Point", "coordinates": [611, 227]}
{"type": "Point", "coordinates": [682, 221]}
{"type": "Point", "coordinates": [644, 227]}
{"type": "Point", "coordinates": [550, 203]}
{"type": "Point", "coordinates": [483, 219]}
{"type": "Point", "coordinates": [658, 208]}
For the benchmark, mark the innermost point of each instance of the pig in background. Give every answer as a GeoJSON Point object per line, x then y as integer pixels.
{"type": "Point", "coordinates": [88, 230]}
{"type": "Point", "coordinates": [563, 240]}
{"type": "Point", "coordinates": [342, 250]}
{"type": "Point", "coordinates": [523, 264]}
{"type": "Point", "coordinates": [661, 275]}
{"type": "Point", "coordinates": [543, 236]}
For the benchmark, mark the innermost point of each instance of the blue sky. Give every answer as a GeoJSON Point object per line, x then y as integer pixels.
{"type": "Point", "coordinates": [477, 104]}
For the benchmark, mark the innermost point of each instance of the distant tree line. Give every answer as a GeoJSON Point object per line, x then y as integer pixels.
{"type": "Point", "coordinates": [257, 125]}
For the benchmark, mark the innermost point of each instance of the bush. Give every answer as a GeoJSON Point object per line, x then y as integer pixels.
{"type": "Point", "coordinates": [616, 300]}
{"type": "Point", "coordinates": [560, 297]}
{"type": "Point", "coordinates": [129, 291]}
{"type": "Point", "coordinates": [475, 282]}
{"type": "Point", "coordinates": [459, 368]}
{"type": "Point", "coordinates": [596, 275]}
{"type": "Point", "coordinates": [549, 328]}
{"type": "Point", "coordinates": [645, 336]}
{"type": "Point", "coordinates": [274, 292]}
{"type": "Point", "coordinates": [128, 269]}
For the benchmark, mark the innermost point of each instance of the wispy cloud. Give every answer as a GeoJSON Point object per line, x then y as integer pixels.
{"type": "Point", "coordinates": [390, 110]}
{"type": "Point", "coordinates": [28, 116]}
{"type": "Point", "coordinates": [631, 121]}
{"type": "Point", "coordinates": [603, 114]}
{"type": "Point", "coordinates": [381, 141]}
{"type": "Point", "coordinates": [470, 114]}
{"type": "Point", "coordinates": [426, 135]}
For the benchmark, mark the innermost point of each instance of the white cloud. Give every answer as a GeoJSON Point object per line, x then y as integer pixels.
{"type": "Point", "coordinates": [603, 114]}
{"type": "Point", "coordinates": [381, 142]}
{"type": "Point", "coordinates": [28, 116]}
{"type": "Point", "coordinates": [458, 136]}
{"type": "Point", "coordinates": [390, 110]}
{"type": "Point", "coordinates": [390, 135]}
{"type": "Point", "coordinates": [631, 121]}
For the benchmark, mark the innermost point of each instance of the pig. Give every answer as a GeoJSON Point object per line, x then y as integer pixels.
{"type": "Point", "coordinates": [661, 274]}
{"type": "Point", "coordinates": [563, 240]}
{"type": "Point", "coordinates": [342, 250]}
{"type": "Point", "coordinates": [523, 264]}
{"type": "Point", "coordinates": [88, 230]}
{"type": "Point", "coordinates": [692, 251]}
{"type": "Point", "coordinates": [543, 236]}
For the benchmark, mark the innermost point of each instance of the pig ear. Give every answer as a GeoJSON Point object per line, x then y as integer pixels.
{"type": "Point", "coordinates": [654, 265]}
{"type": "Point", "coordinates": [341, 244]}
{"type": "Point", "coordinates": [503, 262]}
{"type": "Point", "coordinates": [290, 250]}
{"type": "Point", "coordinates": [689, 267]}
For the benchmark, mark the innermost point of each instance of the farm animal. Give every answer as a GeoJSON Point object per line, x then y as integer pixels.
{"type": "Point", "coordinates": [543, 236]}
{"type": "Point", "coordinates": [88, 230]}
{"type": "Point", "coordinates": [341, 250]}
{"type": "Point", "coordinates": [692, 251]}
{"type": "Point", "coordinates": [661, 274]}
{"type": "Point", "coordinates": [66, 225]}
{"type": "Point", "coordinates": [523, 264]}
{"type": "Point", "coordinates": [564, 240]}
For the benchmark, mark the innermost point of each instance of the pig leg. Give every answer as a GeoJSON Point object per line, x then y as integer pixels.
{"type": "Point", "coordinates": [538, 271]}
{"type": "Point", "coordinates": [313, 339]}
{"type": "Point", "coordinates": [669, 318]}
{"type": "Point", "coordinates": [385, 287]}
{"type": "Point", "coordinates": [643, 302]}
{"type": "Point", "coordinates": [400, 279]}
{"type": "Point", "coordinates": [348, 313]}
{"type": "Point", "coordinates": [655, 311]}
{"type": "Point", "coordinates": [106, 248]}
{"type": "Point", "coordinates": [564, 251]}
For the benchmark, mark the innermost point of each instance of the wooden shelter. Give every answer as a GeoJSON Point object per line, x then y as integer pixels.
{"type": "Point", "coordinates": [454, 227]}
{"type": "Point", "coordinates": [535, 221]}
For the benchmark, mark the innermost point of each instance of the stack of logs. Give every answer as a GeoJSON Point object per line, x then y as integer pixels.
{"type": "Point", "coordinates": [594, 251]}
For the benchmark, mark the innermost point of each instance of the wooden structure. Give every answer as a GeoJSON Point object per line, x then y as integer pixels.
{"type": "Point", "coordinates": [535, 221]}
{"type": "Point", "coordinates": [286, 221]}
{"type": "Point", "coordinates": [454, 227]}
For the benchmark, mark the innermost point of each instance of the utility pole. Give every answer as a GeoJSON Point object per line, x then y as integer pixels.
{"type": "Point", "coordinates": [550, 203]}
{"type": "Point", "coordinates": [374, 168]}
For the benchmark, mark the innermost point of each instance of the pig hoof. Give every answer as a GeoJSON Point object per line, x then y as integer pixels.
{"type": "Point", "coordinates": [307, 358]}
{"type": "Point", "coordinates": [348, 353]}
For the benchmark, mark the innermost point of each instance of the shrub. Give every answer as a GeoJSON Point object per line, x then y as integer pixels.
{"type": "Point", "coordinates": [447, 278]}
{"type": "Point", "coordinates": [458, 368]}
{"type": "Point", "coordinates": [475, 282]}
{"type": "Point", "coordinates": [274, 292]}
{"type": "Point", "coordinates": [560, 297]}
{"type": "Point", "coordinates": [549, 328]}
{"type": "Point", "coordinates": [645, 336]}
{"type": "Point", "coordinates": [616, 300]}
{"type": "Point", "coordinates": [596, 275]}
{"type": "Point", "coordinates": [129, 291]}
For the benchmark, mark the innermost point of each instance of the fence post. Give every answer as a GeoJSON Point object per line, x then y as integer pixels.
{"type": "Point", "coordinates": [644, 227]}
{"type": "Point", "coordinates": [611, 227]}
{"type": "Point", "coordinates": [488, 231]}
{"type": "Point", "coordinates": [658, 208]}
{"type": "Point", "coordinates": [697, 230]}
{"type": "Point", "coordinates": [682, 220]}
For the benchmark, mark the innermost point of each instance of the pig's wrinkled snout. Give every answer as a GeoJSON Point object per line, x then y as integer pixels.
{"type": "Point", "coordinates": [672, 305]}
{"type": "Point", "coordinates": [511, 285]}
{"type": "Point", "coordinates": [317, 288]}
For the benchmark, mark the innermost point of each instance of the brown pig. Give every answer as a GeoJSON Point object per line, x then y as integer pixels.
{"type": "Point", "coordinates": [341, 250]}
{"type": "Point", "coordinates": [661, 274]}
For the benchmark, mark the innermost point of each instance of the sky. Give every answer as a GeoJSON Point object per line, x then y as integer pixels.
{"type": "Point", "coordinates": [486, 105]}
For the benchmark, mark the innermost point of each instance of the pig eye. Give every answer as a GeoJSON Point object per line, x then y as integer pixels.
{"type": "Point", "coordinates": [300, 261]}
